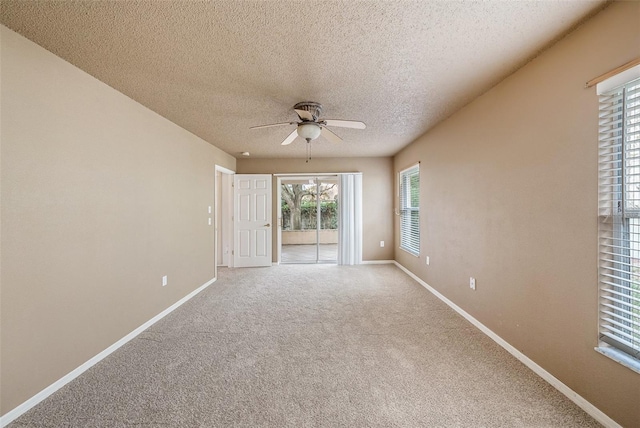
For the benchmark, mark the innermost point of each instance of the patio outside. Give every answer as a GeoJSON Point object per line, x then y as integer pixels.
{"type": "Point", "coordinates": [309, 221]}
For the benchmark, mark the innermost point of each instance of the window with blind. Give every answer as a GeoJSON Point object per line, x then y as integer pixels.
{"type": "Point", "coordinates": [409, 201]}
{"type": "Point", "coordinates": [619, 221]}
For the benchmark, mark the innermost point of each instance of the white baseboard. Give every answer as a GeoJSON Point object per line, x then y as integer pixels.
{"type": "Point", "coordinates": [378, 262]}
{"type": "Point", "coordinates": [24, 407]}
{"type": "Point", "coordinates": [592, 410]}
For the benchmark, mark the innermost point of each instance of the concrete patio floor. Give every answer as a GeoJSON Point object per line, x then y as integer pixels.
{"type": "Point", "coordinates": [306, 253]}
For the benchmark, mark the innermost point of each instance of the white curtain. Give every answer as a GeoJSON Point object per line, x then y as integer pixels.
{"type": "Point", "coordinates": [350, 220]}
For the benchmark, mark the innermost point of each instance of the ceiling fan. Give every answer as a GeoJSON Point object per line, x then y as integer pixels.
{"type": "Point", "coordinates": [311, 127]}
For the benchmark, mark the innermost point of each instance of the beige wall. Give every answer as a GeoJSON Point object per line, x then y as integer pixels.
{"type": "Point", "coordinates": [100, 198]}
{"type": "Point", "coordinates": [377, 191]}
{"type": "Point", "coordinates": [509, 196]}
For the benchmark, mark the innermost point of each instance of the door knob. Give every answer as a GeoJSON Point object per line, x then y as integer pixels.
{"type": "Point", "coordinates": [267, 225]}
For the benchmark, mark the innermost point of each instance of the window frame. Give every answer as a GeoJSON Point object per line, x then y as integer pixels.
{"type": "Point", "coordinates": [618, 236]}
{"type": "Point", "coordinates": [409, 233]}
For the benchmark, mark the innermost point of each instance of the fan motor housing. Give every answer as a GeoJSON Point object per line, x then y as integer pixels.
{"type": "Point", "coordinates": [312, 107]}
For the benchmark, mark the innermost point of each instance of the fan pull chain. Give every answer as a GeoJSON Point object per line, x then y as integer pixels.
{"type": "Point", "coordinates": [308, 151]}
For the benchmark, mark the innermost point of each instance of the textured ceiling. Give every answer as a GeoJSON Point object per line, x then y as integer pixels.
{"type": "Point", "coordinates": [217, 68]}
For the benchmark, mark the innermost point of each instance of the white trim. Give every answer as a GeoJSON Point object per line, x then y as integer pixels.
{"type": "Point", "coordinates": [619, 357]}
{"type": "Point", "coordinates": [378, 262]}
{"type": "Point", "coordinates": [31, 402]}
{"type": "Point", "coordinates": [592, 410]}
{"type": "Point", "coordinates": [224, 170]}
{"type": "Point", "coordinates": [278, 222]}
{"type": "Point", "coordinates": [225, 199]}
{"type": "Point", "coordinates": [409, 252]}
{"type": "Point", "coordinates": [405, 205]}
{"type": "Point", "coordinates": [417, 164]}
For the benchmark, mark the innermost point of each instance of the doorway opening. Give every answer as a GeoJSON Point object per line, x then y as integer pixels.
{"type": "Point", "coordinates": [308, 215]}
{"type": "Point", "coordinates": [223, 226]}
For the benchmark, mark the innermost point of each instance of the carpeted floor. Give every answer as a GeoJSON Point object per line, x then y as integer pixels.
{"type": "Point", "coordinates": [309, 346]}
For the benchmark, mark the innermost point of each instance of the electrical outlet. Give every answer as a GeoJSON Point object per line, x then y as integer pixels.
{"type": "Point", "coordinates": [164, 280]}
{"type": "Point", "coordinates": [382, 243]}
{"type": "Point", "coordinates": [472, 283]}
{"type": "Point", "coordinates": [427, 260]}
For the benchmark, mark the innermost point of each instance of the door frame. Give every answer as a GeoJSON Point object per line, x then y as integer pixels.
{"type": "Point", "coordinates": [279, 219]}
{"type": "Point", "coordinates": [223, 215]}
{"type": "Point", "coordinates": [278, 193]}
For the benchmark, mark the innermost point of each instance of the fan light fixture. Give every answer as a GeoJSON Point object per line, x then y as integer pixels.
{"type": "Point", "coordinates": [311, 127]}
{"type": "Point", "coordinates": [309, 130]}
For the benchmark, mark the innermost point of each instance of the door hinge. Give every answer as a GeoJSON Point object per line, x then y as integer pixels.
{"type": "Point", "coordinates": [232, 252]}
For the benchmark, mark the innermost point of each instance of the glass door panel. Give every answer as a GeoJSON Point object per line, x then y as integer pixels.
{"type": "Point", "coordinates": [328, 219]}
{"type": "Point", "coordinates": [309, 220]}
{"type": "Point", "coordinates": [299, 237]}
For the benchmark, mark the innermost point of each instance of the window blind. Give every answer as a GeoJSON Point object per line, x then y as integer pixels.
{"type": "Point", "coordinates": [409, 201]}
{"type": "Point", "coordinates": [619, 218]}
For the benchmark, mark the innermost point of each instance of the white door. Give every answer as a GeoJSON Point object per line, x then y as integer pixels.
{"type": "Point", "coordinates": [252, 220]}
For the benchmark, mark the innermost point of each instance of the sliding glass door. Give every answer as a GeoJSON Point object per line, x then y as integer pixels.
{"type": "Point", "coordinates": [309, 221]}
{"type": "Point", "coordinates": [327, 217]}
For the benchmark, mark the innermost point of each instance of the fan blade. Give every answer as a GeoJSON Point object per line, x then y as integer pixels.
{"type": "Point", "coordinates": [330, 136]}
{"type": "Point", "coordinates": [290, 138]}
{"type": "Point", "coordinates": [273, 124]}
{"type": "Point", "coordinates": [345, 123]}
{"type": "Point", "coordinates": [304, 115]}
